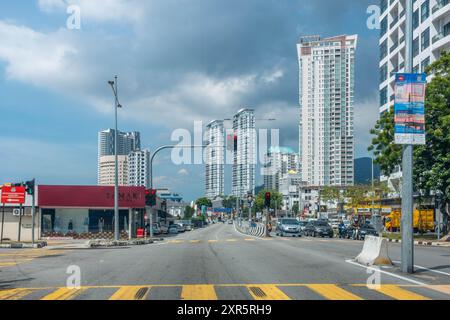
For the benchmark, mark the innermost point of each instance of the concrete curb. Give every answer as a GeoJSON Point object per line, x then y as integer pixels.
{"type": "Point", "coordinates": [423, 243]}
{"type": "Point", "coordinates": [39, 245]}
{"type": "Point", "coordinates": [110, 243]}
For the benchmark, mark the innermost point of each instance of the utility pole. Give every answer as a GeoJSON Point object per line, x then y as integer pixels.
{"type": "Point", "coordinates": [3, 222]}
{"type": "Point", "coordinates": [117, 105]}
{"type": "Point", "coordinates": [33, 211]}
{"type": "Point", "coordinates": [407, 168]}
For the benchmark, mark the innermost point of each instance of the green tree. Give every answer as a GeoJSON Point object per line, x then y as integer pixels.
{"type": "Point", "coordinates": [357, 195]}
{"type": "Point", "coordinates": [432, 161]}
{"type": "Point", "coordinates": [188, 212]}
{"type": "Point", "coordinates": [203, 202]}
{"type": "Point", "coordinates": [295, 209]}
{"type": "Point", "coordinates": [276, 200]}
{"type": "Point", "coordinates": [229, 202]}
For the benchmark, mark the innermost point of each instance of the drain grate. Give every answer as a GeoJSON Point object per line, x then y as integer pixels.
{"type": "Point", "coordinates": [258, 292]}
{"type": "Point", "coordinates": [141, 293]}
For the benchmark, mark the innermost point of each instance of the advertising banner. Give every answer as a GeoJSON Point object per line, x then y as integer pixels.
{"type": "Point", "coordinates": [410, 108]}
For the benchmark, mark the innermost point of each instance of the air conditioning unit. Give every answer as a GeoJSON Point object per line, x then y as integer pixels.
{"type": "Point", "coordinates": [16, 212]}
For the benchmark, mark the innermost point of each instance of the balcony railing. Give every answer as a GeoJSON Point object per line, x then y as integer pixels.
{"type": "Point", "coordinates": [441, 35]}
{"type": "Point", "coordinates": [394, 22]}
{"type": "Point", "coordinates": [440, 4]}
{"type": "Point", "coordinates": [394, 46]}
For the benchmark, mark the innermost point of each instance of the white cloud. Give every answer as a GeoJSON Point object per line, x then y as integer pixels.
{"type": "Point", "coordinates": [183, 172]}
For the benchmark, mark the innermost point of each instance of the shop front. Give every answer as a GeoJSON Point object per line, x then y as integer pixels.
{"type": "Point", "coordinates": [87, 212]}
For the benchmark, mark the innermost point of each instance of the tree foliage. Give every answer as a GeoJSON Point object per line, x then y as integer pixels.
{"type": "Point", "coordinates": [431, 161]}
{"type": "Point", "coordinates": [203, 202]}
{"type": "Point", "coordinates": [276, 200]}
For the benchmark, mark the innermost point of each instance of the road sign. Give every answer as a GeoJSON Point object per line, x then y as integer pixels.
{"type": "Point", "coordinates": [13, 195]}
{"type": "Point", "coordinates": [410, 108]}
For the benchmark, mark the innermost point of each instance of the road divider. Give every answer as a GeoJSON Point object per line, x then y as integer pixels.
{"type": "Point", "coordinates": [255, 229]}
{"type": "Point", "coordinates": [375, 252]}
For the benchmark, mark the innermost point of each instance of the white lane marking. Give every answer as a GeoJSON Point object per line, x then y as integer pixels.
{"type": "Point", "coordinates": [386, 272]}
{"type": "Point", "coordinates": [428, 269]}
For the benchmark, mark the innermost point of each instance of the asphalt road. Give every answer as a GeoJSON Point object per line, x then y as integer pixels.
{"type": "Point", "coordinates": [219, 263]}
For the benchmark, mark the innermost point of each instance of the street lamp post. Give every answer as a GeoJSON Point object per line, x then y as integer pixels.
{"type": "Point", "coordinates": [117, 105]}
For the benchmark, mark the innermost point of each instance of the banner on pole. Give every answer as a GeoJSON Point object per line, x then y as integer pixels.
{"type": "Point", "coordinates": [410, 108]}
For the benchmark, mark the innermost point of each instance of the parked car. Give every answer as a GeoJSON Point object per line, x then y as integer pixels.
{"type": "Point", "coordinates": [181, 227]}
{"type": "Point", "coordinates": [230, 221]}
{"type": "Point", "coordinates": [164, 229]}
{"type": "Point", "coordinates": [303, 225]}
{"type": "Point", "coordinates": [188, 227]}
{"type": "Point", "coordinates": [288, 227]}
{"type": "Point", "coordinates": [319, 229]}
{"type": "Point", "coordinates": [173, 229]}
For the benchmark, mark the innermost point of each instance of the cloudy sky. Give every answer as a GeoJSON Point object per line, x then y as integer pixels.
{"type": "Point", "coordinates": [178, 61]}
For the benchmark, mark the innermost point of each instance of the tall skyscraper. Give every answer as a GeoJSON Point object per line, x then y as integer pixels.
{"type": "Point", "coordinates": [106, 171]}
{"type": "Point", "coordinates": [215, 160]}
{"type": "Point", "coordinates": [327, 81]}
{"type": "Point", "coordinates": [431, 25]}
{"type": "Point", "coordinates": [243, 180]}
{"type": "Point", "coordinates": [139, 168]}
{"type": "Point", "coordinates": [278, 163]}
{"type": "Point", "coordinates": [126, 142]}
{"type": "Point", "coordinates": [431, 28]}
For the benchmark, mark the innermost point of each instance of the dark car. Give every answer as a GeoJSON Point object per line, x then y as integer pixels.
{"type": "Point", "coordinates": [288, 227]}
{"type": "Point", "coordinates": [318, 229]}
{"type": "Point", "coordinates": [362, 232]}
{"type": "Point", "coordinates": [173, 229]}
{"type": "Point", "coordinates": [366, 230]}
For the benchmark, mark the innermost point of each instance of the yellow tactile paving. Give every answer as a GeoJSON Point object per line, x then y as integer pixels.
{"type": "Point", "coordinates": [131, 293]}
{"type": "Point", "coordinates": [399, 293]}
{"type": "Point", "coordinates": [198, 292]}
{"type": "Point", "coordinates": [14, 294]}
{"type": "Point", "coordinates": [64, 294]}
{"type": "Point", "coordinates": [208, 292]}
{"type": "Point", "coordinates": [267, 292]}
{"type": "Point", "coordinates": [333, 292]}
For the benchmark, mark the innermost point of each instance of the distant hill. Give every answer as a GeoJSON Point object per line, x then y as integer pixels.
{"type": "Point", "coordinates": [363, 171]}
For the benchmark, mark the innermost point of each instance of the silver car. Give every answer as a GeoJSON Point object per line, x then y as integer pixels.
{"type": "Point", "coordinates": [288, 227]}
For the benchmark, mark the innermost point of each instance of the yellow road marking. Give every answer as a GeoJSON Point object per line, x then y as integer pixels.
{"type": "Point", "coordinates": [441, 288]}
{"type": "Point", "coordinates": [14, 294]}
{"type": "Point", "coordinates": [231, 240]}
{"type": "Point", "coordinates": [267, 292]}
{"type": "Point", "coordinates": [198, 292]}
{"type": "Point", "coordinates": [195, 241]}
{"type": "Point", "coordinates": [131, 293]}
{"type": "Point", "coordinates": [64, 294]}
{"type": "Point", "coordinates": [398, 293]}
{"type": "Point", "coordinates": [176, 241]}
{"type": "Point", "coordinates": [333, 292]}
{"type": "Point", "coordinates": [249, 239]}
{"type": "Point", "coordinates": [8, 264]}
{"type": "Point", "coordinates": [213, 241]}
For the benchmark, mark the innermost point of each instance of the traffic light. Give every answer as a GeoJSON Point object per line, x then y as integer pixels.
{"type": "Point", "coordinates": [150, 197]}
{"type": "Point", "coordinates": [267, 200]}
{"type": "Point", "coordinates": [30, 185]}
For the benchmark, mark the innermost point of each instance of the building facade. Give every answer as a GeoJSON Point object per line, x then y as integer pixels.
{"type": "Point", "coordinates": [431, 36]}
{"type": "Point", "coordinates": [327, 81]}
{"type": "Point", "coordinates": [107, 167]}
{"type": "Point", "coordinates": [277, 164]}
{"type": "Point", "coordinates": [215, 160]}
{"type": "Point", "coordinates": [244, 162]}
{"type": "Point", "coordinates": [139, 168]}
{"type": "Point", "coordinates": [126, 142]}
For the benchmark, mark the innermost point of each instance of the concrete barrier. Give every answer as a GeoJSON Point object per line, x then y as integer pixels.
{"type": "Point", "coordinates": [375, 252]}
{"type": "Point", "coordinates": [244, 227]}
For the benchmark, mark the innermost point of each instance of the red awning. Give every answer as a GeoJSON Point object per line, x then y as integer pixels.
{"type": "Point", "coordinates": [90, 197]}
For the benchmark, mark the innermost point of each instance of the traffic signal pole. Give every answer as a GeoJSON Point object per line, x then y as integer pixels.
{"type": "Point", "coordinates": [407, 167]}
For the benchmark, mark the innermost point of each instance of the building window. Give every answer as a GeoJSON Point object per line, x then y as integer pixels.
{"type": "Point", "coordinates": [383, 26]}
{"type": "Point", "coordinates": [383, 72]}
{"type": "Point", "coordinates": [425, 10]}
{"type": "Point", "coordinates": [416, 20]}
{"type": "Point", "coordinates": [383, 96]}
{"type": "Point", "coordinates": [383, 50]}
{"type": "Point", "coordinates": [425, 39]}
{"type": "Point", "coordinates": [415, 47]}
{"type": "Point", "coordinates": [425, 64]}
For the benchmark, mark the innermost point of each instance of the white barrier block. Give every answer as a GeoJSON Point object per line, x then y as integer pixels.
{"type": "Point", "coordinates": [375, 252]}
